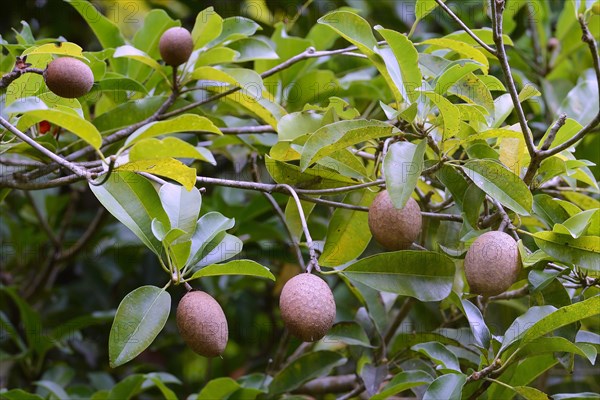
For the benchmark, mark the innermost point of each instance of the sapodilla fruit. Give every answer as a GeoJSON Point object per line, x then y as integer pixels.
{"type": "Point", "coordinates": [176, 46]}
{"type": "Point", "coordinates": [307, 307]}
{"type": "Point", "coordinates": [68, 77]}
{"type": "Point", "coordinates": [202, 324]}
{"type": "Point", "coordinates": [394, 229]}
{"type": "Point", "coordinates": [492, 263]}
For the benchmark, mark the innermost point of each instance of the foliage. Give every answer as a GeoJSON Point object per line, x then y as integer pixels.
{"type": "Point", "coordinates": [259, 157]}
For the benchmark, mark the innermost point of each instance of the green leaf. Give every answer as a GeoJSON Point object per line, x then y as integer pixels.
{"type": "Point", "coordinates": [219, 388]}
{"type": "Point", "coordinates": [583, 251]}
{"type": "Point", "coordinates": [208, 26]}
{"type": "Point", "coordinates": [575, 396]}
{"type": "Point", "coordinates": [167, 393]}
{"type": "Point", "coordinates": [235, 28]}
{"type": "Point", "coordinates": [480, 331]}
{"type": "Point", "coordinates": [350, 333]}
{"type": "Point", "coordinates": [501, 184]}
{"type": "Point", "coordinates": [338, 136]}
{"type": "Point", "coordinates": [348, 233]}
{"type": "Point", "coordinates": [132, 199]}
{"type": "Point", "coordinates": [519, 326]}
{"type": "Point", "coordinates": [577, 224]}
{"type": "Point", "coordinates": [353, 28]}
{"type": "Point", "coordinates": [299, 123]}
{"type": "Point", "coordinates": [465, 50]}
{"type": "Point", "coordinates": [556, 318]}
{"type": "Point", "coordinates": [152, 148]}
{"type": "Point", "coordinates": [424, 275]}
{"type": "Point", "coordinates": [439, 354]}
{"type": "Point", "coordinates": [555, 345]}
{"type": "Point", "coordinates": [423, 8]}
{"type": "Point", "coordinates": [251, 49]}
{"type": "Point", "coordinates": [236, 267]}
{"type": "Point", "coordinates": [62, 48]}
{"type": "Point", "coordinates": [127, 388]}
{"type": "Point", "coordinates": [472, 89]}
{"type": "Point", "coordinates": [140, 317]}
{"type": "Point", "coordinates": [447, 387]}
{"type": "Point", "coordinates": [528, 92]}
{"type": "Point", "coordinates": [403, 381]}
{"type": "Point", "coordinates": [409, 77]}
{"type": "Point", "coordinates": [207, 228]}
{"type": "Point", "coordinates": [19, 394]}
{"type": "Point", "coordinates": [528, 393]}
{"type": "Point", "coordinates": [55, 389]}
{"type": "Point", "coordinates": [106, 31]}
{"type": "Point", "coordinates": [116, 84]}
{"type": "Point", "coordinates": [582, 102]}
{"type": "Point", "coordinates": [471, 204]}
{"type": "Point", "coordinates": [549, 210]}
{"type": "Point", "coordinates": [167, 167]}
{"type": "Point", "coordinates": [452, 74]}
{"type": "Point", "coordinates": [67, 120]}
{"type": "Point", "coordinates": [449, 113]}
{"type": "Point", "coordinates": [313, 178]}
{"type": "Point", "coordinates": [182, 123]}
{"type": "Point", "coordinates": [138, 55]}
{"type": "Point", "coordinates": [454, 181]}
{"type": "Point", "coordinates": [182, 206]}
{"type": "Point", "coordinates": [222, 248]}
{"type": "Point", "coordinates": [304, 368]}
{"type": "Point", "coordinates": [403, 165]}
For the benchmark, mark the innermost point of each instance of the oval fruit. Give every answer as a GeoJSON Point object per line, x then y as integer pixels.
{"type": "Point", "coordinates": [176, 46]}
{"type": "Point", "coordinates": [202, 324]}
{"type": "Point", "coordinates": [394, 229]}
{"type": "Point", "coordinates": [307, 307]}
{"type": "Point", "coordinates": [68, 77]}
{"type": "Point", "coordinates": [492, 263]}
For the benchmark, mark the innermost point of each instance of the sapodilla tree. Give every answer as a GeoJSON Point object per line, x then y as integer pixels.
{"type": "Point", "coordinates": [307, 307]}
{"type": "Point", "coordinates": [176, 46]}
{"type": "Point", "coordinates": [393, 228]}
{"type": "Point", "coordinates": [68, 77]}
{"type": "Point", "coordinates": [492, 263]}
{"type": "Point", "coordinates": [202, 324]}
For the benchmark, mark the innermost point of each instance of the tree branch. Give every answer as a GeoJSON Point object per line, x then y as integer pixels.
{"type": "Point", "coordinates": [497, 17]}
{"type": "Point", "coordinates": [16, 73]}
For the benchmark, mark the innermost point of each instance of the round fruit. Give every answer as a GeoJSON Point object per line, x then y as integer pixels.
{"type": "Point", "coordinates": [202, 324]}
{"type": "Point", "coordinates": [68, 77]}
{"type": "Point", "coordinates": [176, 46]}
{"type": "Point", "coordinates": [307, 307]}
{"type": "Point", "coordinates": [492, 263]}
{"type": "Point", "coordinates": [394, 229]}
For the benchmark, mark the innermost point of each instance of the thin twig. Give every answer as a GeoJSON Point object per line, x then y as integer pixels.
{"type": "Point", "coordinates": [562, 119]}
{"type": "Point", "coordinates": [16, 73]}
{"type": "Point", "coordinates": [400, 317]}
{"type": "Point", "coordinates": [513, 294]}
{"type": "Point", "coordinates": [85, 237]}
{"type": "Point", "coordinates": [280, 214]}
{"type": "Point", "coordinates": [77, 170]}
{"type": "Point", "coordinates": [455, 17]}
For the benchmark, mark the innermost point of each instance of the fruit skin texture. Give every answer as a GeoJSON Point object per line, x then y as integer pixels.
{"type": "Point", "coordinates": [492, 263]}
{"type": "Point", "coordinates": [307, 307]}
{"type": "Point", "coordinates": [394, 229]}
{"type": "Point", "coordinates": [68, 77]}
{"type": "Point", "coordinates": [202, 324]}
{"type": "Point", "coordinates": [176, 46]}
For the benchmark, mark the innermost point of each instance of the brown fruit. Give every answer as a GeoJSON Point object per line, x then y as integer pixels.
{"type": "Point", "coordinates": [68, 77]}
{"type": "Point", "coordinates": [394, 229]}
{"type": "Point", "coordinates": [202, 324]}
{"type": "Point", "coordinates": [176, 46]}
{"type": "Point", "coordinates": [307, 307]}
{"type": "Point", "coordinates": [492, 263]}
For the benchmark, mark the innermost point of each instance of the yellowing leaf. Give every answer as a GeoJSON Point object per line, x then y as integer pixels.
{"type": "Point", "coordinates": [166, 167]}
{"type": "Point", "coordinates": [511, 152]}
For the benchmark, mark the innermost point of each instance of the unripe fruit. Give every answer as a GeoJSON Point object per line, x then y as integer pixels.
{"type": "Point", "coordinates": [176, 46]}
{"type": "Point", "coordinates": [307, 307]}
{"type": "Point", "coordinates": [394, 229]}
{"type": "Point", "coordinates": [492, 263]}
{"type": "Point", "coordinates": [68, 77]}
{"type": "Point", "coordinates": [202, 324]}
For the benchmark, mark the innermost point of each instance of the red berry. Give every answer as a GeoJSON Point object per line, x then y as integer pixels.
{"type": "Point", "coordinates": [44, 127]}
